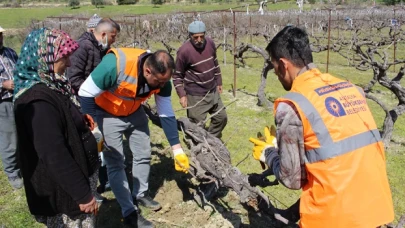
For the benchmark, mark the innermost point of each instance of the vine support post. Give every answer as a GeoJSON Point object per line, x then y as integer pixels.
{"type": "Point", "coordinates": [139, 26]}
{"type": "Point", "coordinates": [327, 56]}
{"type": "Point", "coordinates": [338, 25]}
{"type": "Point", "coordinates": [395, 42]}
{"type": "Point", "coordinates": [234, 54]}
{"type": "Point", "coordinates": [225, 41]}
{"type": "Point", "coordinates": [134, 32]}
{"type": "Point", "coordinates": [250, 28]}
{"type": "Point", "coordinates": [224, 47]}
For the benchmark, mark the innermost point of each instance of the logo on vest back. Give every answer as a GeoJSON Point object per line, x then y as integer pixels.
{"type": "Point", "coordinates": [345, 105]}
{"type": "Point", "coordinates": [334, 107]}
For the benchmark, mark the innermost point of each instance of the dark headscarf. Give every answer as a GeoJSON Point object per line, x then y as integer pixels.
{"type": "Point", "coordinates": [41, 49]}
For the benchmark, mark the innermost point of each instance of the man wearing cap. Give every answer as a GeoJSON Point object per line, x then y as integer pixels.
{"type": "Point", "coordinates": [93, 22]}
{"type": "Point", "coordinates": [92, 47]}
{"type": "Point", "coordinates": [198, 80]}
{"type": "Point", "coordinates": [8, 59]}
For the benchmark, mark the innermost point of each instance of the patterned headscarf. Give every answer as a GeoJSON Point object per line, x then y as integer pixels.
{"type": "Point", "coordinates": [41, 49]}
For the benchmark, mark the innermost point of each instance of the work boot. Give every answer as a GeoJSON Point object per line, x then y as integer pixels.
{"type": "Point", "coordinates": [16, 182]}
{"type": "Point", "coordinates": [103, 188]}
{"type": "Point", "coordinates": [135, 219]}
{"type": "Point", "coordinates": [148, 202]}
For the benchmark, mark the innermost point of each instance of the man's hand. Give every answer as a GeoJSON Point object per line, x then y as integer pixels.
{"type": "Point", "coordinates": [183, 101]}
{"type": "Point", "coordinates": [89, 121]}
{"type": "Point", "coordinates": [8, 85]}
{"type": "Point", "coordinates": [270, 135]}
{"type": "Point", "coordinates": [262, 144]}
{"type": "Point", "coordinates": [219, 89]}
{"type": "Point", "coordinates": [181, 160]}
{"type": "Point", "coordinates": [90, 207]}
{"type": "Point", "coordinates": [259, 148]}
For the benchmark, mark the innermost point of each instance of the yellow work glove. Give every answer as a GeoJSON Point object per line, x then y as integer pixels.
{"type": "Point", "coordinates": [181, 160]}
{"type": "Point", "coordinates": [262, 143]}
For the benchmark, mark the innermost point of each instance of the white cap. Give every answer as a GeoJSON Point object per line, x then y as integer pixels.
{"type": "Point", "coordinates": [2, 29]}
{"type": "Point", "coordinates": [93, 21]}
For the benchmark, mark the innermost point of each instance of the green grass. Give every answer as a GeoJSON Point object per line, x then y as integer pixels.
{"type": "Point", "coordinates": [13, 206]}
{"type": "Point", "coordinates": [245, 120]}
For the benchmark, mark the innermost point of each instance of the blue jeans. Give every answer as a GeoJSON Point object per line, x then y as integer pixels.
{"type": "Point", "coordinates": [8, 139]}
{"type": "Point", "coordinates": [136, 130]}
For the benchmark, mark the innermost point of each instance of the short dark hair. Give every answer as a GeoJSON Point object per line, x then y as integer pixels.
{"type": "Point", "coordinates": [291, 43]}
{"type": "Point", "coordinates": [109, 24]}
{"type": "Point", "coordinates": [160, 62]}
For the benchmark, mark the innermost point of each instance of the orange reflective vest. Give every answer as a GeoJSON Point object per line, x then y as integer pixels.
{"type": "Point", "coordinates": [121, 99]}
{"type": "Point", "coordinates": [345, 161]}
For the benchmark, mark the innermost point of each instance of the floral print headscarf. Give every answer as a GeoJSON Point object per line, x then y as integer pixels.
{"type": "Point", "coordinates": [41, 49]}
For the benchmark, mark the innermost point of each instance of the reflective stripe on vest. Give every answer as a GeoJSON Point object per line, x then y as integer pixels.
{"type": "Point", "coordinates": [121, 99]}
{"type": "Point", "coordinates": [328, 148]}
{"type": "Point", "coordinates": [121, 75]}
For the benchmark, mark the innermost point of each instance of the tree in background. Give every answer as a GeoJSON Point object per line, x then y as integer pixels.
{"type": "Point", "coordinates": [12, 3]}
{"type": "Point", "coordinates": [74, 4]}
{"type": "Point", "coordinates": [126, 2]}
{"type": "Point", "coordinates": [391, 2]}
{"type": "Point", "coordinates": [97, 3]}
{"type": "Point", "coordinates": [157, 2]}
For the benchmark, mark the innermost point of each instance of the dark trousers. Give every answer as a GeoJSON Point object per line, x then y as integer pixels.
{"type": "Point", "coordinates": [209, 105]}
{"type": "Point", "coordinates": [102, 175]}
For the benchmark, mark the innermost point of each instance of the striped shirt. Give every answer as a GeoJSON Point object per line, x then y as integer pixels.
{"type": "Point", "coordinates": [197, 72]}
{"type": "Point", "coordinates": [8, 59]}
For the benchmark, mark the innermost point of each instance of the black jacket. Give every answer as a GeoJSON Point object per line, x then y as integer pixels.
{"type": "Point", "coordinates": [57, 152]}
{"type": "Point", "coordinates": [84, 60]}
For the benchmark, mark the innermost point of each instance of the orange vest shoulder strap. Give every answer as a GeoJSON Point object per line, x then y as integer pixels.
{"type": "Point", "coordinates": [115, 51]}
{"type": "Point", "coordinates": [127, 53]}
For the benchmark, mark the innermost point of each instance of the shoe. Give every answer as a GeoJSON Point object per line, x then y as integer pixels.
{"type": "Point", "coordinates": [100, 189]}
{"type": "Point", "coordinates": [16, 182]}
{"type": "Point", "coordinates": [143, 223]}
{"type": "Point", "coordinates": [104, 188]}
{"type": "Point", "coordinates": [135, 219]}
{"type": "Point", "coordinates": [148, 202]}
{"type": "Point", "coordinates": [132, 219]}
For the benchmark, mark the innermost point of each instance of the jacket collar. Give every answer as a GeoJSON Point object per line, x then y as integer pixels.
{"type": "Point", "coordinates": [90, 36]}
{"type": "Point", "coordinates": [305, 74]}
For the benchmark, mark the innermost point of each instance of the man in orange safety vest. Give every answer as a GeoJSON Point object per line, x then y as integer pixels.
{"type": "Point", "coordinates": [327, 142]}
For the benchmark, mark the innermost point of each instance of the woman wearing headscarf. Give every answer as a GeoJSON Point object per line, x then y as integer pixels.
{"type": "Point", "coordinates": [58, 153]}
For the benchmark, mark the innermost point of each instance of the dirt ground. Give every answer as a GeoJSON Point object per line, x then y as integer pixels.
{"type": "Point", "coordinates": [179, 208]}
